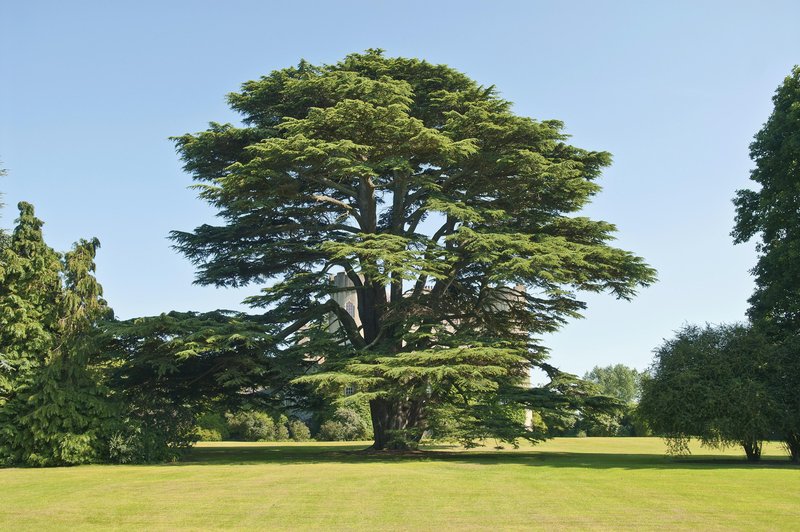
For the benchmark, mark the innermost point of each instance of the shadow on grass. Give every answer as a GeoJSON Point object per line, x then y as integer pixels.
{"type": "Point", "coordinates": [357, 454]}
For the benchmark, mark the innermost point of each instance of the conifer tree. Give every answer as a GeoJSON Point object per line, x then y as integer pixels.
{"type": "Point", "coordinates": [439, 204]}
{"type": "Point", "coordinates": [55, 412]}
{"type": "Point", "coordinates": [30, 292]}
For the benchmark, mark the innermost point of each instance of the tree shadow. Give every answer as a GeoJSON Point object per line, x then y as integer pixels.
{"type": "Point", "coordinates": [357, 454]}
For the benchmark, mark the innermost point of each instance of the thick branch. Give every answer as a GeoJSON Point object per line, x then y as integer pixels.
{"type": "Point", "coordinates": [446, 229]}
{"type": "Point", "coordinates": [367, 206]}
{"type": "Point", "coordinates": [351, 273]}
{"type": "Point", "coordinates": [347, 191]}
{"type": "Point", "coordinates": [399, 203]}
{"type": "Point", "coordinates": [309, 315]}
{"type": "Point", "coordinates": [346, 206]}
{"type": "Point", "coordinates": [348, 324]}
{"type": "Point", "coordinates": [345, 319]}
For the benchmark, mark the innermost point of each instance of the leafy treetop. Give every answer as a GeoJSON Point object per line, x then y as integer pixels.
{"type": "Point", "coordinates": [771, 213]}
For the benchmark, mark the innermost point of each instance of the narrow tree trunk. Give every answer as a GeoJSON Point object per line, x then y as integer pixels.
{"type": "Point", "coordinates": [752, 448]}
{"type": "Point", "coordinates": [793, 445]}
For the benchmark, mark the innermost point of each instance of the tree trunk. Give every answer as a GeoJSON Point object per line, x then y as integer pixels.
{"type": "Point", "coordinates": [396, 424]}
{"type": "Point", "coordinates": [793, 445]}
{"type": "Point", "coordinates": [752, 448]}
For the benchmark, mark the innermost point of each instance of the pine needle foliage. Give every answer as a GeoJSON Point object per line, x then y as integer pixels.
{"type": "Point", "coordinates": [188, 358]}
{"type": "Point", "coordinates": [53, 407]}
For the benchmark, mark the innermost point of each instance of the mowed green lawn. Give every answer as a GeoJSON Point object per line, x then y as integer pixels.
{"type": "Point", "coordinates": [601, 483]}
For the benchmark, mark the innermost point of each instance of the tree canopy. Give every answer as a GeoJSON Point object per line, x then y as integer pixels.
{"type": "Point", "coordinates": [711, 383]}
{"type": "Point", "coordinates": [618, 381]}
{"type": "Point", "coordinates": [452, 217]}
{"type": "Point", "coordinates": [771, 214]}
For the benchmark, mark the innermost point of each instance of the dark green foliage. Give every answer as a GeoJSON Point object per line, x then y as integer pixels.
{"type": "Point", "coordinates": [298, 431]}
{"type": "Point", "coordinates": [172, 365]}
{"type": "Point", "coordinates": [153, 431]}
{"type": "Point", "coordinates": [189, 358]}
{"type": "Point", "coordinates": [784, 384]}
{"type": "Point", "coordinates": [770, 214]}
{"type": "Point", "coordinates": [251, 426]}
{"type": "Point", "coordinates": [436, 200]}
{"type": "Point", "coordinates": [711, 383]}
{"type": "Point", "coordinates": [605, 425]}
{"type": "Point", "coordinates": [632, 423]}
{"type": "Point", "coordinates": [626, 421]}
{"type": "Point", "coordinates": [212, 426]}
{"type": "Point", "coordinates": [53, 408]}
{"type": "Point", "coordinates": [345, 425]}
{"type": "Point", "coordinates": [469, 424]}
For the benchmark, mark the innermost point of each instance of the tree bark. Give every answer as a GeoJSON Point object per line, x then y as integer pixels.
{"type": "Point", "coordinates": [396, 424]}
{"type": "Point", "coordinates": [752, 448]}
{"type": "Point", "coordinates": [793, 445]}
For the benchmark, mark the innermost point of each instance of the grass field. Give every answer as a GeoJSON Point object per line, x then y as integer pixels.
{"type": "Point", "coordinates": [599, 483]}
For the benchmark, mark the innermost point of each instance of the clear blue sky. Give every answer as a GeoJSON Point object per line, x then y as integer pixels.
{"type": "Point", "coordinates": [675, 90]}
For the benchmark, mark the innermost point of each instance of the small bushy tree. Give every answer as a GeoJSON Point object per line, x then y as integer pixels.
{"type": "Point", "coordinates": [153, 430]}
{"type": "Point", "coordinates": [251, 426]}
{"type": "Point", "coordinates": [298, 430]}
{"type": "Point", "coordinates": [345, 425]}
{"type": "Point", "coordinates": [282, 428]}
{"type": "Point", "coordinates": [711, 383]}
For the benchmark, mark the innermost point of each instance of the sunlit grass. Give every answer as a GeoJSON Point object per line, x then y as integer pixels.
{"type": "Point", "coordinates": [605, 483]}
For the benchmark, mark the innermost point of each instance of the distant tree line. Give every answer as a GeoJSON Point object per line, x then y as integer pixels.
{"type": "Point", "coordinates": [619, 382]}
